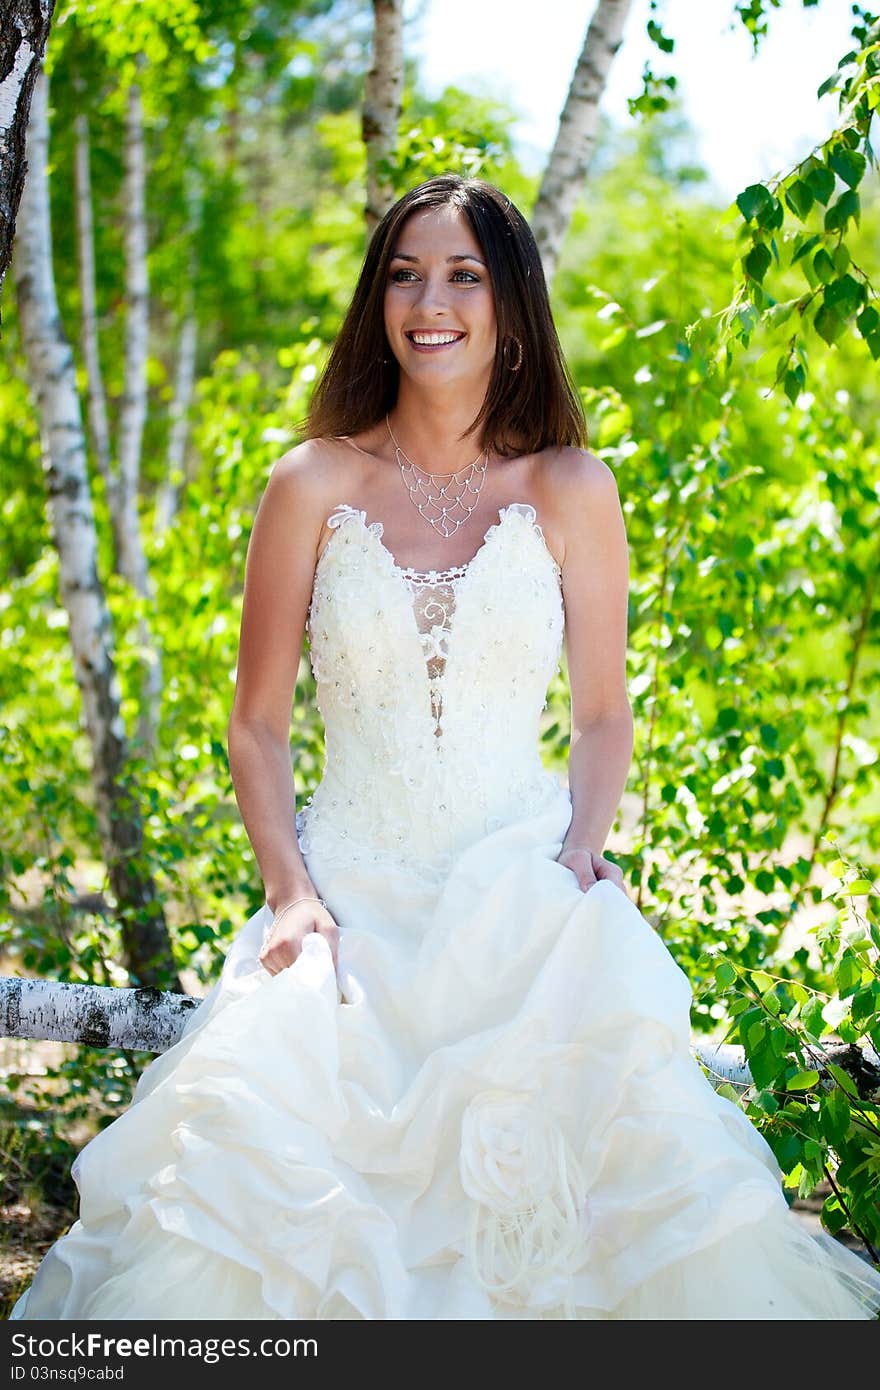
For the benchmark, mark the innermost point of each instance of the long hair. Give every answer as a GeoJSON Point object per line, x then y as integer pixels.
{"type": "Point", "coordinates": [524, 410]}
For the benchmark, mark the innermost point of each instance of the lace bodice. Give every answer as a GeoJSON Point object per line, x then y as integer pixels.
{"type": "Point", "coordinates": [430, 685]}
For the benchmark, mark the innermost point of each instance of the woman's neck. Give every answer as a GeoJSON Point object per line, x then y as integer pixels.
{"type": "Point", "coordinates": [427, 426]}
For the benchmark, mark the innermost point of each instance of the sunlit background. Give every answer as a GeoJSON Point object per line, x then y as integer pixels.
{"type": "Point", "coordinates": [752, 114]}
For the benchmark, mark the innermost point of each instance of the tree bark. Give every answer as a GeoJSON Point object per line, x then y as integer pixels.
{"type": "Point", "coordinates": [149, 1020]}
{"type": "Point", "coordinates": [133, 411]}
{"type": "Point", "coordinates": [137, 1020]}
{"type": "Point", "coordinates": [576, 137]}
{"type": "Point", "coordinates": [383, 100]}
{"type": "Point", "coordinates": [168, 493]}
{"type": "Point", "coordinates": [23, 37]}
{"type": "Point", "coordinates": [53, 382]}
{"type": "Point", "coordinates": [89, 345]}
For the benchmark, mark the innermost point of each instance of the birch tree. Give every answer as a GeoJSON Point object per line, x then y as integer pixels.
{"type": "Point", "coordinates": [168, 493]}
{"type": "Point", "coordinates": [23, 36]}
{"type": "Point", "coordinates": [133, 409]}
{"type": "Point", "coordinates": [123, 484]}
{"type": "Point", "coordinates": [152, 1020]}
{"type": "Point", "coordinates": [99, 425]}
{"type": "Point", "coordinates": [51, 371]}
{"type": "Point", "coordinates": [566, 169]}
{"type": "Point", "coordinates": [383, 99]}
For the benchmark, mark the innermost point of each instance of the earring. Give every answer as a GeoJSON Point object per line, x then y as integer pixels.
{"type": "Point", "coordinates": [514, 366]}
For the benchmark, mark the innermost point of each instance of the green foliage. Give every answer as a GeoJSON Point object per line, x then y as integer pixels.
{"type": "Point", "coordinates": [753, 620]}
{"type": "Point", "coordinates": [821, 1121]}
{"type": "Point", "coordinates": [455, 134]}
{"type": "Point", "coordinates": [823, 194]}
{"type": "Point", "coordinates": [754, 652]}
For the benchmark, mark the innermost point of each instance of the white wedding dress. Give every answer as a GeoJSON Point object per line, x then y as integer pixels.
{"type": "Point", "coordinates": [496, 1115]}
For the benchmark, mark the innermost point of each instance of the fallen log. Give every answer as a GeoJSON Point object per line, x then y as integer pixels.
{"type": "Point", "coordinates": [140, 1020]}
{"type": "Point", "coordinates": [152, 1020]}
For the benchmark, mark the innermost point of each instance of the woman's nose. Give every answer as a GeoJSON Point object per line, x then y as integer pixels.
{"type": "Point", "coordinates": [434, 296]}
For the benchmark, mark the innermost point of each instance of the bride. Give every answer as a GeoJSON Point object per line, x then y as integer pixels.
{"type": "Point", "coordinates": [445, 1072]}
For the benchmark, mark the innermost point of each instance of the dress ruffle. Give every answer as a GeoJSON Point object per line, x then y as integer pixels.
{"type": "Point", "coordinates": [494, 1115]}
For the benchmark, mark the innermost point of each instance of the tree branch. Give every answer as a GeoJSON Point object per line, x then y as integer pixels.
{"type": "Point", "coordinates": [152, 1020]}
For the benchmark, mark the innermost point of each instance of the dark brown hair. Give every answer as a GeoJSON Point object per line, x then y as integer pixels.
{"type": "Point", "coordinates": [524, 410]}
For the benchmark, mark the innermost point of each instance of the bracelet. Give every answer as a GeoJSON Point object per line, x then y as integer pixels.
{"type": "Point", "coordinates": [278, 915]}
{"type": "Point", "coordinates": [287, 906]}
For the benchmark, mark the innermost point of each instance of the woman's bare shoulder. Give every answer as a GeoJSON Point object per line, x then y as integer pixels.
{"type": "Point", "coordinates": [310, 468]}
{"type": "Point", "coordinates": [571, 470]}
{"type": "Point", "coordinates": [578, 492]}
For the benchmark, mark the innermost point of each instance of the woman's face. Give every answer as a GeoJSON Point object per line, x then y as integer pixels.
{"type": "Point", "coordinates": [439, 303]}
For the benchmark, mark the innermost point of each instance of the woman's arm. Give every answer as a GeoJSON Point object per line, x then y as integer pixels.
{"type": "Point", "coordinates": [279, 574]}
{"type": "Point", "coordinates": [595, 579]}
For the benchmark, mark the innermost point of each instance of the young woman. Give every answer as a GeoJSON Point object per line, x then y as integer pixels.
{"type": "Point", "coordinates": [446, 1070]}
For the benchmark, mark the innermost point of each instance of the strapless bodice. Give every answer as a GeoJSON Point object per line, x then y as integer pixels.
{"type": "Point", "coordinates": [430, 685]}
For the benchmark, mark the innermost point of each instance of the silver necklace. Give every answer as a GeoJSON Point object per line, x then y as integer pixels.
{"type": "Point", "coordinates": [442, 521]}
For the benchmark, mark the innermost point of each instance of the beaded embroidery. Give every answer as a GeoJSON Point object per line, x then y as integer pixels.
{"type": "Point", "coordinates": [430, 684]}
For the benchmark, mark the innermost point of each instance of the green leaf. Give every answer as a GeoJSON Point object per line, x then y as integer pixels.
{"type": "Point", "coordinates": [820, 182]}
{"type": "Point", "coordinates": [836, 1116]}
{"type": "Point", "coordinates": [828, 324]}
{"type": "Point", "coordinates": [764, 1066]}
{"type": "Point", "coordinates": [757, 262]}
{"type": "Point", "coordinates": [824, 266]}
{"type": "Point", "coordinates": [848, 206]}
{"type": "Point", "coordinates": [833, 1216]}
{"type": "Point", "coordinates": [860, 886]}
{"type": "Point", "coordinates": [725, 974]}
{"type": "Point", "coordinates": [766, 1101]}
{"type": "Point", "coordinates": [762, 981]}
{"type": "Point", "coordinates": [799, 198]}
{"type": "Point", "coordinates": [864, 1003]}
{"type": "Point", "coordinates": [787, 1149]}
{"type": "Point", "coordinates": [845, 292]}
{"type": "Point", "coordinates": [842, 1079]}
{"type": "Point", "coordinates": [841, 258]}
{"type": "Point", "coordinates": [806, 247]}
{"type": "Point", "coordinates": [848, 975]}
{"type": "Point", "coordinates": [802, 1080]}
{"type": "Point", "coordinates": [794, 383]}
{"type": "Point", "coordinates": [754, 200]}
{"type": "Point", "coordinates": [848, 165]}
{"type": "Point", "coordinates": [755, 1033]}
{"type": "Point", "coordinates": [728, 1092]}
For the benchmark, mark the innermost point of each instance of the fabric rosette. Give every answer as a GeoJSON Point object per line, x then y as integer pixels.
{"type": "Point", "coordinates": [529, 1218]}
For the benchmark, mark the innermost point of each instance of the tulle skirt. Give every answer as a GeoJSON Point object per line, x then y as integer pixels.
{"type": "Point", "coordinates": [493, 1114]}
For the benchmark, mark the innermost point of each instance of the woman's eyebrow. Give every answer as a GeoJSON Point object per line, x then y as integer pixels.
{"type": "Point", "coordinates": [402, 256]}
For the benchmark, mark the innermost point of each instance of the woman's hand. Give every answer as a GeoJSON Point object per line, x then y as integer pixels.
{"type": "Point", "coordinates": [588, 866]}
{"type": "Point", "coordinates": [284, 942]}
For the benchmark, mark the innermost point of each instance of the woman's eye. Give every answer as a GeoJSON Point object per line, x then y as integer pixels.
{"type": "Point", "coordinates": [404, 276]}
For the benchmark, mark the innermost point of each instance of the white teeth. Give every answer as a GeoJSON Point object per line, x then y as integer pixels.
{"type": "Point", "coordinates": [430, 339]}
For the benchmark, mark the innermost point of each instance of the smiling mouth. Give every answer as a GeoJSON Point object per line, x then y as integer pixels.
{"type": "Point", "coordinates": [433, 341]}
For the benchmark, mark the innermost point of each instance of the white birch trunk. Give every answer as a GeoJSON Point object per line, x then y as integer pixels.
{"type": "Point", "coordinates": [23, 35]}
{"type": "Point", "coordinates": [383, 99]}
{"type": "Point", "coordinates": [133, 410]}
{"type": "Point", "coordinates": [168, 493]}
{"type": "Point", "coordinates": [89, 346]}
{"type": "Point", "coordinates": [576, 137]}
{"type": "Point", "coordinates": [149, 1020]}
{"type": "Point", "coordinates": [53, 381]}
{"type": "Point", "coordinates": [137, 1020]}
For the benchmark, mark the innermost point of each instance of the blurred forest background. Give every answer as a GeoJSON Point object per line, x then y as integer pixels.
{"type": "Point", "coordinates": [208, 180]}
